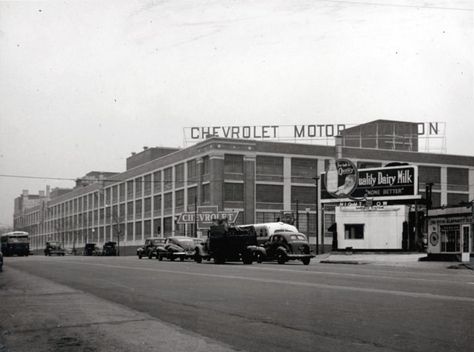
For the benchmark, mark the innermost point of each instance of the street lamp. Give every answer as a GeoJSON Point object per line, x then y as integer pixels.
{"type": "Point", "coordinates": [316, 179]}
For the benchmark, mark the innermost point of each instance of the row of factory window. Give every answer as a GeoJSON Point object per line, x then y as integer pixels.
{"type": "Point", "coordinates": [140, 230]}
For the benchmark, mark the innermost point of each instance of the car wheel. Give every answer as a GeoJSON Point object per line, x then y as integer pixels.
{"type": "Point", "coordinates": [160, 257]}
{"type": "Point", "coordinates": [197, 258]}
{"type": "Point", "coordinates": [306, 261]}
{"type": "Point", "coordinates": [140, 256]}
{"type": "Point", "coordinates": [259, 258]}
{"type": "Point", "coordinates": [281, 259]}
{"type": "Point", "coordinates": [181, 259]}
{"type": "Point", "coordinates": [150, 256]}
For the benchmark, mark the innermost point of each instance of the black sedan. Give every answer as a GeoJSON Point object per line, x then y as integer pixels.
{"type": "Point", "coordinates": [176, 247]}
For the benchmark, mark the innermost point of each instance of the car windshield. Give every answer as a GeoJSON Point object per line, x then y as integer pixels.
{"type": "Point", "coordinates": [298, 237]}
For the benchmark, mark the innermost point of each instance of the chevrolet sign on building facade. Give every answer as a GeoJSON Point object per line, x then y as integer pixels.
{"type": "Point", "coordinates": [206, 216]}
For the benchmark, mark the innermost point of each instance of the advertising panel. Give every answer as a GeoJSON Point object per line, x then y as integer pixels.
{"type": "Point", "coordinates": [387, 183]}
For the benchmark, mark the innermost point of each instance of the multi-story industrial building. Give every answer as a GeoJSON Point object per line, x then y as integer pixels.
{"type": "Point", "coordinates": [261, 180]}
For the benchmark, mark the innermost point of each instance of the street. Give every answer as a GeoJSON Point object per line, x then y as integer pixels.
{"type": "Point", "coordinates": [271, 307]}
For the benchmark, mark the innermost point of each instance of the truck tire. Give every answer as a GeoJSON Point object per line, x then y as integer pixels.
{"type": "Point", "coordinates": [259, 257]}
{"type": "Point", "coordinates": [247, 258]}
{"type": "Point", "coordinates": [197, 258]}
{"type": "Point", "coordinates": [219, 260]}
{"type": "Point", "coordinates": [140, 256]}
{"type": "Point", "coordinates": [306, 261]}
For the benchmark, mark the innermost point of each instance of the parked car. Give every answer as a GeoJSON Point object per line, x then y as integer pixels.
{"type": "Point", "coordinates": [176, 247]}
{"type": "Point", "coordinates": [284, 246]}
{"type": "Point", "coordinates": [91, 249]}
{"type": "Point", "coordinates": [1, 262]}
{"type": "Point", "coordinates": [149, 248]}
{"type": "Point", "coordinates": [227, 243]}
{"type": "Point", "coordinates": [109, 248]}
{"type": "Point", "coordinates": [54, 248]}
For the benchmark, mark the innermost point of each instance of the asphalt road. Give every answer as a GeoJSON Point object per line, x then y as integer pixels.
{"type": "Point", "coordinates": [292, 307]}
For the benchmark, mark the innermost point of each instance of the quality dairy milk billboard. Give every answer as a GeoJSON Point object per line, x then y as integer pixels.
{"type": "Point", "coordinates": [386, 183]}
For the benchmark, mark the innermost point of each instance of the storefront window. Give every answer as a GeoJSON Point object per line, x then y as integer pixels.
{"type": "Point", "coordinates": [354, 231]}
{"type": "Point", "coordinates": [450, 238]}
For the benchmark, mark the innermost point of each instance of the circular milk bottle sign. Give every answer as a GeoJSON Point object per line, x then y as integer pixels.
{"type": "Point", "coordinates": [341, 177]}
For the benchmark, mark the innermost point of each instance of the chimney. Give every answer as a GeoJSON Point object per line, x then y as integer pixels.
{"type": "Point", "coordinates": [48, 190]}
{"type": "Point", "coordinates": [145, 148]}
{"type": "Point", "coordinates": [24, 193]}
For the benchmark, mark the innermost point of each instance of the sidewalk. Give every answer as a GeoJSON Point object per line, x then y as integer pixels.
{"type": "Point", "coordinates": [38, 315]}
{"type": "Point", "coordinates": [391, 259]}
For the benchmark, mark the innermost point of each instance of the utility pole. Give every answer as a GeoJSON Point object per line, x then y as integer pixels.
{"type": "Point", "coordinates": [195, 215]}
{"type": "Point", "coordinates": [316, 230]}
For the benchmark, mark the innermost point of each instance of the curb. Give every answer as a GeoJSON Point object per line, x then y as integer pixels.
{"type": "Point", "coordinates": [355, 262]}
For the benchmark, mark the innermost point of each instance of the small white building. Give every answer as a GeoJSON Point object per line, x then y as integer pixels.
{"type": "Point", "coordinates": [378, 227]}
{"type": "Point", "coordinates": [450, 234]}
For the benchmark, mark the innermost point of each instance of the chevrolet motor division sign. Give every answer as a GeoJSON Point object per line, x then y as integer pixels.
{"type": "Point", "coordinates": [388, 183]}
{"type": "Point", "coordinates": [206, 215]}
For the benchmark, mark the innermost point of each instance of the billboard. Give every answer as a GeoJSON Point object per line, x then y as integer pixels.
{"type": "Point", "coordinates": [386, 183]}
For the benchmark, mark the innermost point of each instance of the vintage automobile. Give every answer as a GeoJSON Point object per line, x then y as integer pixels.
{"type": "Point", "coordinates": [284, 246]}
{"type": "Point", "coordinates": [176, 247]}
{"type": "Point", "coordinates": [109, 248]}
{"type": "Point", "coordinates": [91, 249]}
{"type": "Point", "coordinates": [227, 243]}
{"type": "Point", "coordinates": [54, 248]}
{"type": "Point", "coordinates": [149, 248]}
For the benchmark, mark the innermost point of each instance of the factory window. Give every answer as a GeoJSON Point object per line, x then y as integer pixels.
{"type": "Point", "coordinates": [269, 165]}
{"type": "Point", "coordinates": [192, 197]}
{"type": "Point", "coordinates": [205, 165]}
{"type": "Point", "coordinates": [157, 205]}
{"type": "Point", "coordinates": [168, 201]}
{"type": "Point", "coordinates": [304, 195]}
{"type": "Point", "coordinates": [233, 164]}
{"type": "Point", "coordinates": [138, 187]}
{"type": "Point", "coordinates": [179, 199]}
{"type": "Point", "coordinates": [192, 170]}
{"type": "Point", "coordinates": [234, 192]}
{"type": "Point", "coordinates": [122, 192]}
{"type": "Point", "coordinates": [138, 230]}
{"type": "Point", "coordinates": [179, 176]}
{"type": "Point", "coordinates": [206, 193]}
{"type": "Point", "coordinates": [129, 190]}
{"type": "Point", "coordinates": [147, 205]}
{"type": "Point", "coordinates": [138, 209]}
{"type": "Point", "coordinates": [168, 179]}
{"type": "Point", "coordinates": [458, 179]}
{"type": "Point", "coordinates": [157, 181]}
{"type": "Point", "coordinates": [303, 170]}
{"type": "Point", "coordinates": [269, 194]}
{"type": "Point", "coordinates": [147, 184]}
{"type": "Point", "coordinates": [354, 231]}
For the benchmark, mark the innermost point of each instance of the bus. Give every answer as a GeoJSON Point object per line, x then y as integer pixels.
{"type": "Point", "coordinates": [15, 243]}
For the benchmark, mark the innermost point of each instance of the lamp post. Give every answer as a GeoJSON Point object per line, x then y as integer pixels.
{"type": "Point", "coordinates": [316, 179]}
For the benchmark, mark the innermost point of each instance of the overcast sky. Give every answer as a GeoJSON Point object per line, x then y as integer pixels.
{"type": "Point", "coordinates": [83, 84]}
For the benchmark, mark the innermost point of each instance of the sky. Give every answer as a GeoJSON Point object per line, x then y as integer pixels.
{"type": "Point", "coordinates": [85, 83]}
